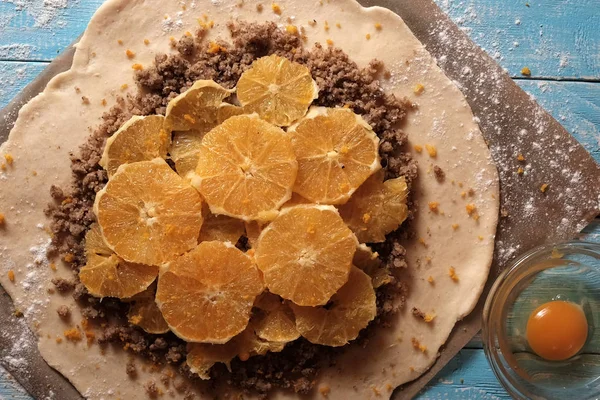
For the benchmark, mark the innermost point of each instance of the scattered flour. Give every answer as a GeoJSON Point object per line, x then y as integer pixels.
{"type": "Point", "coordinates": [43, 12]}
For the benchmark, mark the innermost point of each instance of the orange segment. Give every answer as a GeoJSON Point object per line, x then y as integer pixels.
{"type": "Point", "coordinates": [306, 253]}
{"type": "Point", "coordinates": [201, 357]}
{"type": "Point", "coordinates": [206, 295]}
{"type": "Point", "coordinates": [336, 151]}
{"type": "Point", "coordinates": [369, 262]}
{"type": "Point", "coordinates": [226, 111]}
{"type": "Point", "coordinates": [279, 90]}
{"type": "Point", "coordinates": [145, 313]}
{"type": "Point", "coordinates": [220, 227]}
{"type": "Point", "coordinates": [246, 168]}
{"type": "Point", "coordinates": [106, 275]}
{"type": "Point", "coordinates": [139, 139]}
{"type": "Point", "coordinates": [273, 319]}
{"type": "Point", "coordinates": [350, 310]}
{"type": "Point", "coordinates": [148, 213]}
{"type": "Point", "coordinates": [196, 108]}
{"type": "Point", "coordinates": [184, 150]}
{"type": "Point", "coordinates": [377, 208]}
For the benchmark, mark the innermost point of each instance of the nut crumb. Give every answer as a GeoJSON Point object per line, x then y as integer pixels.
{"type": "Point", "coordinates": [85, 100]}
{"type": "Point", "coordinates": [64, 312]}
{"type": "Point", "coordinates": [259, 8]}
{"type": "Point", "coordinates": [439, 173]}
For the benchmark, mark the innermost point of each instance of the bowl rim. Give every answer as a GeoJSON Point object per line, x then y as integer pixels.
{"type": "Point", "coordinates": [508, 277]}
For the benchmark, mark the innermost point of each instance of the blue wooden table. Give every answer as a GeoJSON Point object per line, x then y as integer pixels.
{"type": "Point", "coordinates": [558, 40]}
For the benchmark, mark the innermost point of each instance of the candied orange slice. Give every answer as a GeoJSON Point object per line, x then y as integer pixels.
{"type": "Point", "coordinates": [377, 208]}
{"type": "Point", "coordinates": [201, 356]}
{"type": "Point", "coordinates": [148, 213]}
{"type": "Point", "coordinates": [145, 313]}
{"type": "Point", "coordinates": [349, 310]}
{"type": "Point", "coordinates": [206, 295]}
{"type": "Point", "coordinates": [220, 227]}
{"type": "Point", "coordinates": [106, 275]}
{"type": "Point", "coordinates": [246, 168]}
{"type": "Point", "coordinates": [368, 261]}
{"type": "Point", "coordinates": [279, 90]}
{"type": "Point", "coordinates": [196, 108]}
{"type": "Point", "coordinates": [139, 139]}
{"type": "Point", "coordinates": [273, 319]}
{"type": "Point", "coordinates": [336, 151]}
{"type": "Point", "coordinates": [306, 253]}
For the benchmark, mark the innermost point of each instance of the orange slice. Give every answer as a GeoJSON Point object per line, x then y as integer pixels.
{"type": "Point", "coordinates": [246, 168]}
{"type": "Point", "coordinates": [336, 151]}
{"type": "Point", "coordinates": [196, 108]}
{"type": "Point", "coordinates": [206, 295]}
{"type": "Point", "coordinates": [377, 208]}
{"type": "Point", "coordinates": [145, 313]}
{"type": "Point", "coordinates": [306, 253]}
{"type": "Point", "coordinates": [148, 213]}
{"type": "Point", "coordinates": [273, 319]}
{"type": "Point", "coordinates": [201, 357]}
{"type": "Point", "coordinates": [369, 262]}
{"type": "Point", "coordinates": [139, 139]}
{"type": "Point", "coordinates": [279, 90]}
{"type": "Point", "coordinates": [106, 275]}
{"type": "Point", "coordinates": [220, 227]}
{"type": "Point", "coordinates": [350, 310]}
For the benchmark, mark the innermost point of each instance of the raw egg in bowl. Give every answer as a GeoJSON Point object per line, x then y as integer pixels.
{"type": "Point", "coordinates": [540, 323]}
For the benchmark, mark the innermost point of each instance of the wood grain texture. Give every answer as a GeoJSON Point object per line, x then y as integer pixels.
{"type": "Point", "coordinates": [556, 39]}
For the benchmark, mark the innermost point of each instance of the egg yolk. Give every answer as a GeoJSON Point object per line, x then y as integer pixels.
{"type": "Point", "coordinates": [557, 330]}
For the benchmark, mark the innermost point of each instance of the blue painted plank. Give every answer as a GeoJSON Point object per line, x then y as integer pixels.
{"type": "Point", "coordinates": [10, 389]}
{"type": "Point", "coordinates": [14, 76]}
{"type": "Point", "coordinates": [554, 38]}
{"type": "Point", "coordinates": [466, 376]}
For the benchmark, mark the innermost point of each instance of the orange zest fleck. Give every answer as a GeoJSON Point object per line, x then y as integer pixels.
{"type": "Point", "coordinates": [455, 226]}
{"type": "Point", "coordinates": [452, 274]}
{"type": "Point", "coordinates": [378, 26]}
{"type": "Point", "coordinates": [419, 88]}
{"type": "Point", "coordinates": [129, 53]}
{"type": "Point", "coordinates": [520, 157]}
{"type": "Point", "coordinates": [11, 275]}
{"type": "Point", "coordinates": [544, 188]}
{"type": "Point", "coordinates": [73, 334]}
{"type": "Point", "coordinates": [526, 71]}
{"type": "Point", "coordinates": [368, 36]}
{"type": "Point", "coordinates": [520, 171]}
{"type": "Point", "coordinates": [9, 159]}
{"type": "Point", "coordinates": [329, 42]}
{"type": "Point", "coordinates": [431, 150]}
{"type": "Point", "coordinates": [291, 29]}
{"type": "Point", "coordinates": [418, 148]}
{"type": "Point", "coordinates": [417, 345]}
{"type": "Point", "coordinates": [124, 86]}
{"type": "Point", "coordinates": [471, 208]}
{"type": "Point", "coordinates": [2, 219]}
{"type": "Point", "coordinates": [146, 42]}
{"type": "Point", "coordinates": [137, 67]}
{"type": "Point", "coordinates": [276, 8]}
{"type": "Point", "coordinates": [120, 42]}
{"type": "Point", "coordinates": [325, 390]}
{"type": "Point", "coordinates": [434, 206]}
{"type": "Point", "coordinates": [428, 317]}
{"type": "Point", "coordinates": [430, 280]}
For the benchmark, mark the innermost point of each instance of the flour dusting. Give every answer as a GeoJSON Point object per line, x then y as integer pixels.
{"type": "Point", "coordinates": [43, 12]}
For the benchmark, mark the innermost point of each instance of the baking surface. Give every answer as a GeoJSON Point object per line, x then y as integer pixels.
{"type": "Point", "coordinates": [572, 103]}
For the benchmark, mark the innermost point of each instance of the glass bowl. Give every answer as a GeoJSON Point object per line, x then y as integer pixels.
{"type": "Point", "coordinates": [567, 271]}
